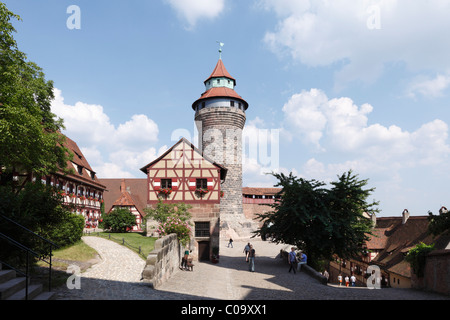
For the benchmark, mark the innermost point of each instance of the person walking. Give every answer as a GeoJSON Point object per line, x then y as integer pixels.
{"type": "Point", "coordinates": [353, 280]}
{"type": "Point", "coordinates": [292, 259]}
{"type": "Point", "coordinates": [246, 250]}
{"type": "Point", "coordinates": [251, 259]}
{"type": "Point", "coordinates": [340, 280]}
{"type": "Point", "coordinates": [326, 274]}
{"type": "Point", "coordinates": [230, 243]}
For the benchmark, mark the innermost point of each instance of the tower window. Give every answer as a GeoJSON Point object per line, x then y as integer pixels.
{"type": "Point", "coordinates": [218, 81]}
{"type": "Point", "coordinates": [203, 104]}
{"type": "Point", "coordinates": [232, 103]}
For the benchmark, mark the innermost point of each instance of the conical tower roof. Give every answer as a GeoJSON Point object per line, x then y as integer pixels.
{"type": "Point", "coordinates": [220, 91]}
{"type": "Point", "coordinates": [220, 71]}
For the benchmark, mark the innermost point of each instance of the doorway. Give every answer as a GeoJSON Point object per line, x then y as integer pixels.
{"type": "Point", "coordinates": [203, 251]}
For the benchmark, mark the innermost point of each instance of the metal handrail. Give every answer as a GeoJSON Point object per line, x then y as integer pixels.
{"type": "Point", "coordinates": [40, 257]}
{"type": "Point", "coordinates": [28, 251]}
{"type": "Point", "coordinates": [26, 229]}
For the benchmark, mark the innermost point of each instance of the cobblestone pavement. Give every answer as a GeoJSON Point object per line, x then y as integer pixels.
{"type": "Point", "coordinates": [117, 277]}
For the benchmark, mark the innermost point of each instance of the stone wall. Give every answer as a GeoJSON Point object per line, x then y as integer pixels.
{"type": "Point", "coordinates": [284, 253]}
{"type": "Point", "coordinates": [436, 275]}
{"type": "Point", "coordinates": [163, 261]}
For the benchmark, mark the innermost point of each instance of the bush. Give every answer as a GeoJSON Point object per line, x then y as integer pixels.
{"type": "Point", "coordinates": [38, 208]}
{"type": "Point", "coordinates": [417, 258]}
{"type": "Point", "coordinates": [164, 210]}
{"type": "Point", "coordinates": [69, 231]}
{"type": "Point", "coordinates": [119, 220]}
{"type": "Point", "coordinates": [176, 225]}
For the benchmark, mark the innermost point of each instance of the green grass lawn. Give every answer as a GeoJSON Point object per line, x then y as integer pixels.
{"type": "Point", "coordinates": [78, 252]}
{"type": "Point", "coordinates": [135, 241]}
{"type": "Point", "coordinates": [81, 252]}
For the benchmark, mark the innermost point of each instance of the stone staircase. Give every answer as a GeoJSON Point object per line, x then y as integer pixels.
{"type": "Point", "coordinates": [12, 287]}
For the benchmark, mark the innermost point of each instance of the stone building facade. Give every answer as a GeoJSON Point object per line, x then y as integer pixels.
{"type": "Point", "coordinates": [220, 119]}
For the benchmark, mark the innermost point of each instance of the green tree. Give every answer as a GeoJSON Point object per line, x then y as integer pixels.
{"type": "Point", "coordinates": [119, 220]}
{"type": "Point", "coordinates": [40, 209]}
{"type": "Point", "coordinates": [439, 223]}
{"type": "Point", "coordinates": [30, 141]}
{"type": "Point", "coordinates": [320, 221]}
{"type": "Point", "coordinates": [347, 202]}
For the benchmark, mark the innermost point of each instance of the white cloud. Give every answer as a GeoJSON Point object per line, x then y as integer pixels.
{"type": "Point", "coordinates": [427, 87]}
{"type": "Point", "coordinates": [113, 152]}
{"type": "Point", "coordinates": [343, 32]}
{"type": "Point", "coordinates": [260, 154]}
{"type": "Point", "coordinates": [193, 10]}
{"type": "Point", "coordinates": [307, 119]}
{"type": "Point", "coordinates": [339, 127]}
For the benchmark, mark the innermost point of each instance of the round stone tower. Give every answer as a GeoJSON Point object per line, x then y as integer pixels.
{"type": "Point", "coordinates": [220, 119]}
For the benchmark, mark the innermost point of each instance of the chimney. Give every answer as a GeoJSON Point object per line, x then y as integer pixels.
{"type": "Point", "coordinates": [122, 186]}
{"type": "Point", "coordinates": [373, 217]}
{"type": "Point", "coordinates": [405, 216]}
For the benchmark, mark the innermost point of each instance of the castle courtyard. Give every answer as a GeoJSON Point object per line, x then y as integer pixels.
{"type": "Point", "coordinates": [117, 277]}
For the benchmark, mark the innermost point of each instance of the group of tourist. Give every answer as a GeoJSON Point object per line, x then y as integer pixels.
{"type": "Point", "coordinates": [347, 280]}
{"type": "Point", "coordinates": [296, 260]}
{"type": "Point", "coordinates": [186, 261]}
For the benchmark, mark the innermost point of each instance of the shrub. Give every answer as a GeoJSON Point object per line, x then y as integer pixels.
{"type": "Point", "coordinates": [417, 258]}
{"type": "Point", "coordinates": [39, 208]}
{"type": "Point", "coordinates": [174, 224]}
{"type": "Point", "coordinates": [119, 220]}
{"type": "Point", "coordinates": [69, 231]}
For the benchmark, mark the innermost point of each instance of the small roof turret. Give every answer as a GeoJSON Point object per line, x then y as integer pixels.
{"type": "Point", "coordinates": [218, 85]}
{"type": "Point", "coordinates": [220, 72]}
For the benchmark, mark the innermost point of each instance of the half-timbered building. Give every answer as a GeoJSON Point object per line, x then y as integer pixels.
{"type": "Point", "coordinates": [81, 187]}
{"type": "Point", "coordinates": [126, 200]}
{"type": "Point", "coordinates": [183, 174]}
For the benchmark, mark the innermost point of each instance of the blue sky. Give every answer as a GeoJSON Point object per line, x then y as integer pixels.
{"type": "Point", "coordinates": [340, 84]}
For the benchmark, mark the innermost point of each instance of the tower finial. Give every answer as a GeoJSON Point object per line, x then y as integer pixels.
{"type": "Point", "coordinates": [221, 44]}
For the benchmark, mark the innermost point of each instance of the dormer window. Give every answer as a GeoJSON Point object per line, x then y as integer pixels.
{"type": "Point", "coordinates": [80, 169]}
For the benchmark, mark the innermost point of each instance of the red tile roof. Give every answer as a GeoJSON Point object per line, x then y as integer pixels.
{"type": "Point", "coordinates": [135, 193]}
{"type": "Point", "coordinates": [81, 161]}
{"type": "Point", "coordinates": [394, 239]}
{"type": "Point", "coordinates": [220, 92]}
{"type": "Point", "coordinates": [220, 71]}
